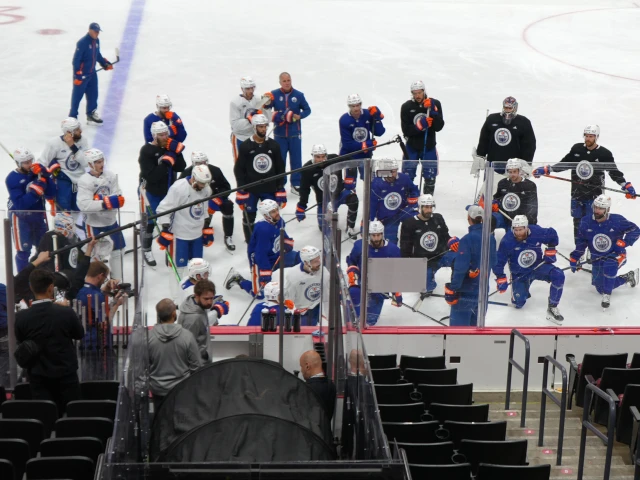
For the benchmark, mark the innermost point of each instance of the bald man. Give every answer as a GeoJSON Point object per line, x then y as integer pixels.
{"type": "Point", "coordinates": [311, 368]}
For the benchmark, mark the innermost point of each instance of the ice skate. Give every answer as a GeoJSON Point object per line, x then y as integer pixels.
{"type": "Point", "coordinates": [228, 243]}
{"type": "Point", "coordinates": [553, 314]}
{"type": "Point", "coordinates": [93, 118]}
{"type": "Point", "coordinates": [632, 277]}
{"type": "Point", "coordinates": [233, 278]}
{"type": "Point", "coordinates": [149, 258]}
{"type": "Point", "coordinates": [352, 233]}
{"type": "Point", "coordinates": [606, 301]}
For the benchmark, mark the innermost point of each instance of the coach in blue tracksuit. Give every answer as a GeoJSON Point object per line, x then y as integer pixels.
{"type": "Point", "coordinates": [85, 81]}
{"type": "Point", "coordinates": [289, 108]}
{"type": "Point", "coordinates": [462, 292]}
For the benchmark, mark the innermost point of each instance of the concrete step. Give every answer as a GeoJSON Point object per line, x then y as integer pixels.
{"type": "Point", "coordinates": [591, 472]}
{"type": "Point", "coordinates": [571, 461]}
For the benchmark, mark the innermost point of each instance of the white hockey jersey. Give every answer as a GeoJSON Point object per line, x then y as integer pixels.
{"type": "Point", "coordinates": [88, 187]}
{"type": "Point", "coordinates": [240, 126]}
{"type": "Point", "coordinates": [186, 224]}
{"type": "Point", "coordinates": [303, 288]}
{"type": "Point", "coordinates": [71, 163]}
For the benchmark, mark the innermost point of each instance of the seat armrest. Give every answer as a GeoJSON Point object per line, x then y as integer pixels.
{"type": "Point", "coordinates": [613, 395]}
{"type": "Point", "coordinates": [635, 413]}
{"type": "Point", "coordinates": [633, 446]}
{"type": "Point", "coordinates": [590, 379]}
{"type": "Point", "coordinates": [572, 361]}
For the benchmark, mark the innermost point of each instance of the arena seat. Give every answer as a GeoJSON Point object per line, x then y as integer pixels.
{"type": "Point", "coordinates": [49, 468]}
{"type": "Point", "coordinates": [489, 431]}
{"type": "Point", "coordinates": [387, 376]}
{"type": "Point", "coordinates": [3, 395]}
{"type": "Point", "coordinates": [447, 376]}
{"type": "Point", "coordinates": [429, 453]}
{"type": "Point", "coordinates": [508, 452]}
{"type": "Point", "coordinates": [15, 450]}
{"type": "Point", "coordinates": [44, 410]}
{"type": "Point", "coordinates": [97, 427]}
{"type": "Point", "coordinates": [411, 432]}
{"type": "Point", "coordinates": [30, 430]}
{"type": "Point", "coordinates": [459, 413]}
{"type": "Point", "coordinates": [404, 412]}
{"type": "Point", "coordinates": [100, 390]}
{"type": "Point", "coordinates": [22, 391]}
{"type": "Point", "coordinates": [441, 472]}
{"type": "Point", "coordinates": [635, 361]}
{"type": "Point", "coordinates": [624, 417]}
{"type": "Point", "coordinates": [614, 380]}
{"type": "Point", "coordinates": [510, 472]}
{"type": "Point", "coordinates": [92, 408]}
{"type": "Point", "coordinates": [394, 394]}
{"type": "Point", "coordinates": [383, 361]}
{"type": "Point", "coordinates": [89, 447]}
{"type": "Point", "coordinates": [7, 470]}
{"type": "Point", "coordinates": [447, 394]}
{"type": "Point", "coordinates": [423, 363]}
{"type": "Point", "coordinates": [591, 365]}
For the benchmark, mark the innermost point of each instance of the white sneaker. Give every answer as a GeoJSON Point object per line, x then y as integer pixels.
{"type": "Point", "coordinates": [149, 258]}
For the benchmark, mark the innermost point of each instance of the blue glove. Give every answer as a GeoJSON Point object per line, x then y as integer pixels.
{"type": "Point", "coordinates": [165, 239]}
{"type": "Point", "coordinates": [631, 192]}
{"type": "Point", "coordinates": [538, 172]}
{"type": "Point", "coordinates": [550, 255]}
{"type": "Point", "coordinates": [396, 299]}
{"type": "Point", "coordinates": [423, 123]}
{"type": "Point", "coordinates": [376, 113]}
{"type": "Point", "coordinates": [288, 245]}
{"type": "Point", "coordinates": [349, 183]}
{"type": "Point", "coordinates": [214, 205]}
{"type": "Point", "coordinates": [369, 144]}
{"type": "Point", "coordinates": [573, 260]}
{"type": "Point", "coordinates": [453, 244]}
{"type": "Point", "coordinates": [207, 236]}
{"type": "Point", "coordinates": [221, 307]}
{"type": "Point", "coordinates": [281, 197]}
{"type": "Point", "coordinates": [168, 159]}
{"type": "Point", "coordinates": [450, 296]}
{"type": "Point", "coordinates": [300, 212]}
{"type": "Point", "coordinates": [502, 283]}
{"type": "Point", "coordinates": [38, 186]}
{"type": "Point", "coordinates": [280, 118]}
{"type": "Point", "coordinates": [250, 113]}
{"type": "Point", "coordinates": [112, 201]}
{"type": "Point", "coordinates": [265, 276]}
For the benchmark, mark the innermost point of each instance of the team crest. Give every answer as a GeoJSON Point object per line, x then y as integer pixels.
{"type": "Point", "coordinates": [321, 183]}
{"type": "Point", "coordinates": [71, 163]}
{"type": "Point", "coordinates": [502, 137]}
{"type": "Point", "coordinates": [527, 258]}
{"type": "Point", "coordinates": [262, 163]}
{"type": "Point", "coordinates": [333, 183]}
{"type": "Point", "coordinates": [511, 202]}
{"type": "Point", "coordinates": [392, 201]}
{"type": "Point", "coordinates": [73, 257]}
{"type": "Point", "coordinates": [360, 134]}
{"type": "Point", "coordinates": [584, 170]}
{"type": "Point", "coordinates": [197, 211]}
{"type": "Point", "coordinates": [602, 243]}
{"type": "Point", "coordinates": [294, 99]}
{"type": "Point", "coordinates": [103, 190]}
{"type": "Point", "coordinates": [312, 292]}
{"type": "Point", "coordinates": [429, 241]}
{"type": "Point", "coordinates": [417, 117]}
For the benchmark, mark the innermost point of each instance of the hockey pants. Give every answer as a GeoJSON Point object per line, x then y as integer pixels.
{"type": "Point", "coordinates": [604, 276]}
{"type": "Point", "coordinates": [348, 198]}
{"type": "Point", "coordinates": [227, 217]}
{"type": "Point", "coordinates": [374, 305]}
{"type": "Point", "coordinates": [89, 87]}
{"type": "Point", "coordinates": [293, 146]}
{"type": "Point", "coordinates": [28, 229]}
{"type": "Point", "coordinates": [579, 208]}
{"type": "Point", "coordinates": [465, 312]}
{"type": "Point", "coordinates": [547, 273]}
{"type": "Point", "coordinates": [149, 200]}
{"type": "Point", "coordinates": [118, 247]}
{"type": "Point", "coordinates": [429, 162]}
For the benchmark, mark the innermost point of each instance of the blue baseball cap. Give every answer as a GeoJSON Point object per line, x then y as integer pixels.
{"type": "Point", "coordinates": [94, 26]}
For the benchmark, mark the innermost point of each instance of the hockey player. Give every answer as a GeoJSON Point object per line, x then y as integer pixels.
{"type": "Point", "coordinates": [259, 158]}
{"type": "Point", "coordinates": [357, 129]}
{"type": "Point", "coordinates": [63, 156]}
{"type": "Point", "coordinates": [289, 108]}
{"type": "Point", "coordinates": [303, 284]}
{"type": "Point", "coordinates": [219, 184]}
{"type": "Point", "coordinates": [177, 132]}
{"type": "Point", "coordinates": [426, 235]}
{"type": "Point", "coordinates": [506, 135]}
{"type": "Point", "coordinates": [588, 162]}
{"type": "Point", "coordinates": [271, 303]}
{"type": "Point", "coordinates": [516, 195]}
{"type": "Point", "coordinates": [184, 232]}
{"type": "Point", "coordinates": [99, 197]}
{"type": "Point", "coordinates": [393, 199]}
{"type": "Point", "coordinates": [312, 178]}
{"type": "Point", "coordinates": [264, 251]}
{"type": "Point", "coordinates": [158, 168]}
{"type": "Point", "coordinates": [64, 234]}
{"type": "Point", "coordinates": [242, 110]}
{"type": "Point", "coordinates": [607, 236]}
{"type": "Point", "coordinates": [462, 292]}
{"type": "Point", "coordinates": [85, 80]}
{"type": "Point", "coordinates": [197, 269]}
{"type": "Point", "coordinates": [421, 117]}
{"type": "Point", "coordinates": [28, 185]}
{"type": "Point", "coordinates": [378, 248]}
{"type": "Point", "coordinates": [521, 248]}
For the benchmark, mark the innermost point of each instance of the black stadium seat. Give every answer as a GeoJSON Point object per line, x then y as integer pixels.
{"type": "Point", "coordinates": [624, 422]}
{"type": "Point", "coordinates": [32, 431]}
{"type": "Point", "coordinates": [458, 431]}
{"type": "Point", "coordinates": [22, 391]}
{"type": "Point", "coordinates": [100, 428]}
{"type": "Point", "coordinates": [411, 432]}
{"type": "Point", "coordinates": [441, 472]}
{"type": "Point", "coordinates": [509, 452]}
{"type": "Point", "coordinates": [509, 472]}
{"type": "Point", "coordinates": [44, 410]}
{"type": "Point", "coordinates": [447, 376]}
{"type": "Point", "coordinates": [92, 408]}
{"type": "Point", "coordinates": [17, 452]}
{"type": "Point", "coordinates": [615, 379]}
{"type": "Point", "coordinates": [3, 395]}
{"type": "Point", "coordinates": [459, 413]}
{"type": "Point", "coordinates": [591, 365]}
{"type": "Point", "coordinates": [424, 363]}
{"type": "Point", "coordinates": [89, 447]}
{"type": "Point", "coordinates": [7, 470]}
{"type": "Point", "coordinates": [72, 468]}
{"type": "Point", "coordinates": [394, 394]}
{"type": "Point", "coordinates": [635, 361]}
{"type": "Point", "coordinates": [383, 361]}
{"type": "Point", "coordinates": [99, 390]}
{"type": "Point", "coordinates": [386, 376]}
{"type": "Point", "coordinates": [429, 453]}
{"type": "Point", "coordinates": [406, 412]}
{"type": "Point", "coordinates": [447, 394]}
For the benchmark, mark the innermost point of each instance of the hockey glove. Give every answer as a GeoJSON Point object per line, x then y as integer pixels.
{"type": "Point", "coordinates": [631, 192]}
{"type": "Point", "coordinates": [495, 206]}
{"type": "Point", "coordinates": [165, 239]}
{"type": "Point", "coordinates": [353, 272]}
{"type": "Point", "coordinates": [350, 183]}
{"type": "Point", "coordinates": [572, 260]}
{"type": "Point", "coordinates": [278, 118]}
{"type": "Point", "coordinates": [412, 200]}
{"type": "Point", "coordinates": [169, 115]}
{"type": "Point", "coordinates": [369, 144]}
{"type": "Point", "coordinates": [77, 78]}
{"type": "Point", "coordinates": [265, 276]}
{"type": "Point", "coordinates": [426, 103]}
{"type": "Point", "coordinates": [173, 145]}
{"type": "Point", "coordinates": [38, 169]}
{"type": "Point", "coordinates": [300, 212]}
{"type": "Point", "coordinates": [450, 296]}
{"type": "Point", "coordinates": [502, 283]}
{"type": "Point", "coordinates": [289, 305]}
{"type": "Point", "coordinates": [214, 205]}
{"type": "Point", "coordinates": [281, 197]}
{"type": "Point", "coordinates": [207, 236]}
{"type": "Point", "coordinates": [396, 299]}
{"type": "Point", "coordinates": [550, 255]}
{"type": "Point", "coordinates": [621, 258]}
{"type": "Point", "coordinates": [422, 123]}
{"type": "Point", "coordinates": [250, 113]}
{"type": "Point", "coordinates": [288, 245]}
{"type": "Point", "coordinates": [221, 307]}
{"type": "Point", "coordinates": [538, 172]}
{"type": "Point", "coordinates": [38, 186]}
{"type": "Point", "coordinates": [242, 198]}
{"type": "Point", "coordinates": [376, 113]}
{"type": "Point", "coordinates": [107, 64]}
{"type": "Point", "coordinates": [112, 201]}
{"type": "Point", "coordinates": [453, 244]}
{"type": "Point", "coordinates": [54, 168]}
{"type": "Point", "coordinates": [268, 97]}
{"type": "Point", "coordinates": [167, 159]}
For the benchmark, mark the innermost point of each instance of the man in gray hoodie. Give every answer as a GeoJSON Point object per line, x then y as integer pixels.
{"type": "Point", "coordinates": [173, 352]}
{"type": "Point", "coordinates": [193, 314]}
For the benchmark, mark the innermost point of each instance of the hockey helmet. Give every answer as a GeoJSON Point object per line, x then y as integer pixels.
{"type": "Point", "coordinates": [21, 155]}
{"type": "Point", "coordinates": [198, 266]}
{"type": "Point", "coordinates": [163, 101]}
{"type": "Point", "coordinates": [272, 291]}
{"type": "Point", "coordinates": [199, 158]}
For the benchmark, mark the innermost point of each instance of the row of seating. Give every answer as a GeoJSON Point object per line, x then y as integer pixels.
{"type": "Point", "coordinates": [89, 390]}
{"type": "Point", "coordinates": [406, 361]}
{"type": "Point", "coordinates": [441, 376]}
{"type": "Point", "coordinates": [485, 472]}
{"type": "Point", "coordinates": [427, 394]}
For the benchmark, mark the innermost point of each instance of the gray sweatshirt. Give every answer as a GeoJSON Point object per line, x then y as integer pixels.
{"type": "Point", "coordinates": [193, 318]}
{"type": "Point", "coordinates": [173, 355]}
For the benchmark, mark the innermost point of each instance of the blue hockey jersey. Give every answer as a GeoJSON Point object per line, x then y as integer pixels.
{"type": "Point", "coordinates": [466, 263]}
{"type": "Point", "coordinates": [600, 238]}
{"type": "Point", "coordinates": [256, 313]}
{"type": "Point", "coordinates": [388, 250]}
{"type": "Point", "coordinates": [393, 199]}
{"type": "Point", "coordinates": [177, 131]}
{"type": "Point", "coordinates": [264, 246]}
{"type": "Point", "coordinates": [296, 103]}
{"type": "Point", "coordinates": [86, 55]}
{"type": "Point", "coordinates": [353, 133]}
{"type": "Point", "coordinates": [524, 256]}
{"type": "Point", "coordinates": [23, 198]}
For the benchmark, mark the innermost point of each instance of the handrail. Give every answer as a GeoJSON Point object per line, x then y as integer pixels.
{"type": "Point", "coordinates": [524, 371]}
{"type": "Point", "coordinates": [587, 425]}
{"type": "Point", "coordinates": [562, 403]}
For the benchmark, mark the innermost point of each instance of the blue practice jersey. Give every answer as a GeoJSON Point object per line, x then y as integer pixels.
{"type": "Point", "coordinates": [601, 238]}
{"type": "Point", "coordinates": [388, 250]}
{"type": "Point", "coordinates": [177, 131]}
{"type": "Point", "coordinates": [466, 263]}
{"type": "Point", "coordinates": [86, 55]}
{"type": "Point", "coordinates": [390, 199]}
{"type": "Point", "coordinates": [23, 198]}
{"type": "Point", "coordinates": [264, 246]}
{"type": "Point", "coordinates": [295, 102]}
{"type": "Point", "coordinates": [353, 133]}
{"type": "Point", "coordinates": [524, 256]}
{"type": "Point", "coordinates": [256, 313]}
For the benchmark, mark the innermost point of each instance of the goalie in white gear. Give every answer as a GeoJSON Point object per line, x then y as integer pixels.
{"type": "Point", "coordinates": [304, 283]}
{"type": "Point", "coordinates": [242, 109]}
{"type": "Point", "coordinates": [99, 198]}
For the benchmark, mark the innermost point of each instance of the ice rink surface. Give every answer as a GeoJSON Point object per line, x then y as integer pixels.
{"type": "Point", "coordinates": [568, 63]}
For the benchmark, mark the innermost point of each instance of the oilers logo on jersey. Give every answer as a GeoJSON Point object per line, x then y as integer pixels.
{"type": "Point", "coordinates": [502, 137]}
{"type": "Point", "coordinates": [103, 190]}
{"type": "Point", "coordinates": [429, 241]}
{"type": "Point", "coordinates": [392, 201]}
{"type": "Point", "coordinates": [511, 202]}
{"type": "Point", "coordinates": [70, 163]}
{"type": "Point", "coordinates": [276, 245]}
{"type": "Point", "coordinates": [73, 257]}
{"type": "Point", "coordinates": [197, 211]}
{"type": "Point", "coordinates": [584, 170]}
{"type": "Point", "coordinates": [262, 163]}
{"type": "Point", "coordinates": [312, 292]}
{"type": "Point", "coordinates": [294, 100]}
{"type": "Point", "coordinates": [360, 134]}
{"type": "Point", "coordinates": [526, 258]}
{"type": "Point", "coordinates": [601, 242]}
{"type": "Point", "coordinates": [333, 183]}
{"type": "Point", "coordinates": [418, 116]}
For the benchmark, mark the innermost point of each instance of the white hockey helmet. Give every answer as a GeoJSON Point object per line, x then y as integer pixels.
{"type": "Point", "coordinates": [426, 200]}
{"type": "Point", "coordinates": [354, 99]}
{"type": "Point", "coordinates": [259, 119]}
{"type": "Point", "coordinates": [247, 82]}
{"type": "Point", "coordinates": [265, 207]}
{"type": "Point", "coordinates": [519, 221]}
{"type": "Point", "coordinates": [63, 223]}
{"type": "Point", "coordinates": [602, 201]}
{"type": "Point", "coordinates": [376, 226]}
{"type": "Point", "coordinates": [201, 174]}
{"type": "Point", "coordinates": [308, 253]}
{"type": "Point", "coordinates": [318, 149]}
{"type": "Point", "coordinates": [158, 128]}
{"type": "Point", "coordinates": [199, 158]}
{"type": "Point", "coordinates": [22, 154]}
{"type": "Point", "coordinates": [198, 266]}
{"type": "Point", "coordinates": [513, 164]}
{"type": "Point", "coordinates": [163, 100]}
{"type": "Point", "coordinates": [69, 125]}
{"type": "Point", "coordinates": [592, 130]}
{"type": "Point", "coordinates": [418, 85]}
{"type": "Point", "coordinates": [272, 291]}
{"type": "Point", "coordinates": [93, 155]}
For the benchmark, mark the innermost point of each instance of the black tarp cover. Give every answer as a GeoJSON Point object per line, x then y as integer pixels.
{"type": "Point", "coordinates": [248, 438]}
{"type": "Point", "coordinates": [232, 387]}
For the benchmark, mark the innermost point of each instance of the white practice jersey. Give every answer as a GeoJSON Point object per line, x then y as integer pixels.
{"type": "Point", "coordinates": [240, 126]}
{"type": "Point", "coordinates": [303, 288]}
{"type": "Point", "coordinates": [71, 163]}
{"type": "Point", "coordinates": [186, 224]}
{"type": "Point", "coordinates": [88, 187]}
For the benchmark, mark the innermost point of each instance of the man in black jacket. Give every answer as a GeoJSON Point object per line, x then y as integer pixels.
{"type": "Point", "coordinates": [311, 368]}
{"type": "Point", "coordinates": [53, 372]}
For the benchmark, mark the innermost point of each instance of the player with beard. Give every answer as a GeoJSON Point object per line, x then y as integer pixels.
{"type": "Point", "coordinates": [177, 132]}
{"type": "Point", "coordinates": [304, 283]}
{"type": "Point", "coordinates": [521, 248]}
{"type": "Point", "coordinates": [516, 195]}
{"type": "Point", "coordinates": [241, 112]}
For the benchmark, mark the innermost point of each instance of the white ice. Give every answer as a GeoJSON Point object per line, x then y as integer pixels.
{"type": "Point", "coordinates": [569, 63]}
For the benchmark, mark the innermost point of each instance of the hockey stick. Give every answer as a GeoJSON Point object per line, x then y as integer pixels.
{"type": "Point", "coordinates": [6, 150]}
{"type": "Point", "coordinates": [579, 266]}
{"type": "Point", "coordinates": [424, 151]}
{"type": "Point", "coordinates": [123, 253]}
{"type": "Point", "coordinates": [102, 68]}
{"type": "Point", "coordinates": [416, 311]}
{"type": "Point", "coordinates": [255, 296]}
{"type": "Point", "coordinates": [582, 183]}
{"type": "Point", "coordinates": [292, 219]}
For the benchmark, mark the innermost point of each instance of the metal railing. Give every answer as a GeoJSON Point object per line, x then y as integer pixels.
{"type": "Point", "coordinates": [562, 403]}
{"type": "Point", "coordinates": [523, 370]}
{"type": "Point", "coordinates": [587, 425]}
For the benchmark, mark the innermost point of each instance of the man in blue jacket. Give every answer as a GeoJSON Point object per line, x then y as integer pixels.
{"type": "Point", "coordinates": [462, 292]}
{"type": "Point", "coordinates": [85, 80]}
{"type": "Point", "coordinates": [289, 108]}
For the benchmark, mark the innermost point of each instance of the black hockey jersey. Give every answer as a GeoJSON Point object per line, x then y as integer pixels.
{"type": "Point", "coordinates": [415, 138]}
{"type": "Point", "coordinates": [500, 142]}
{"type": "Point", "coordinates": [420, 238]}
{"type": "Point", "coordinates": [259, 161]}
{"type": "Point", "coordinates": [518, 199]}
{"type": "Point", "coordinates": [158, 177]}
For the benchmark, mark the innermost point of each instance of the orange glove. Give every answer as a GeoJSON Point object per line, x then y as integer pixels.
{"type": "Point", "coordinates": [426, 103]}
{"type": "Point", "coordinates": [375, 112]}
{"type": "Point", "coordinates": [289, 304]}
{"type": "Point", "coordinates": [352, 273]}
{"type": "Point", "coordinates": [270, 96]}
{"type": "Point", "coordinates": [109, 65]}
{"type": "Point", "coordinates": [168, 115]}
{"type": "Point", "coordinates": [429, 121]}
{"type": "Point", "coordinates": [481, 201]}
{"type": "Point", "coordinates": [77, 78]}
{"type": "Point", "coordinates": [621, 259]}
